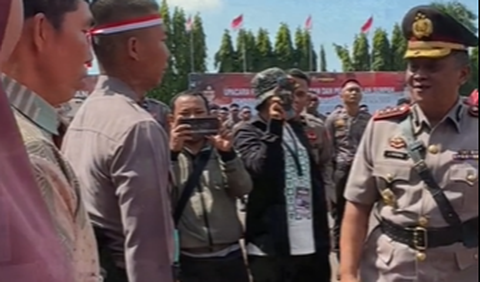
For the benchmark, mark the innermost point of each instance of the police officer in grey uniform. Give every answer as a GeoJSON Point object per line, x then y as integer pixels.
{"type": "Point", "coordinates": [345, 125]}
{"type": "Point", "coordinates": [417, 165]}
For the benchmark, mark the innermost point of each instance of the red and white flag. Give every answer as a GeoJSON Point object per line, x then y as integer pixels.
{"type": "Point", "coordinates": [308, 23]}
{"type": "Point", "coordinates": [237, 23]}
{"type": "Point", "coordinates": [367, 25]}
{"type": "Point", "coordinates": [189, 24]}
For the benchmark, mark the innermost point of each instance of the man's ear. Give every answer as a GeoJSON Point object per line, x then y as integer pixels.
{"type": "Point", "coordinates": [465, 75]}
{"type": "Point", "coordinates": [171, 120]}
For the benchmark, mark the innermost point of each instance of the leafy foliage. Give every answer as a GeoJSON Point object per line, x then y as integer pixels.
{"type": "Point", "coordinates": [381, 56]}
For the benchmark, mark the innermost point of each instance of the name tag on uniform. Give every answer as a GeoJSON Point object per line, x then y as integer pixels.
{"type": "Point", "coordinates": [465, 155]}
{"type": "Point", "coordinates": [395, 155]}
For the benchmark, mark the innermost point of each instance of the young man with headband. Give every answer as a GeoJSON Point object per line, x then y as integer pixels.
{"type": "Point", "coordinates": [118, 149]}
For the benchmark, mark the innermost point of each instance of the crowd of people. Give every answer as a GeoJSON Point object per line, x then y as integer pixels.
{"type": "Point", "coordinates": [127, 191]}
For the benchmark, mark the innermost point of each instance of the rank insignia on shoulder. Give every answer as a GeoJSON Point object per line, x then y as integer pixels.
{"type": "Point", "coordinates": [311, 135]}
{"type": "Point", "coordinates": [465, 155]}
{"type": "Point", "coordinates": [395, 112]}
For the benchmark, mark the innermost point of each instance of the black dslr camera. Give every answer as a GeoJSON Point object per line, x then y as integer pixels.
{"type": "Point", "coordinates": [285, 90]}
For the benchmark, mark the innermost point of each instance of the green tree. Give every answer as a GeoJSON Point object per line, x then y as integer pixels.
{"type": "Point", "coordinates": [284, 51]}
{"type": "Point", "coordinates": [345, 58]}
{"type": "Point", "coordinates": [165, 91]}
{"type": "Point", "coordinates": [311, 54]}
{"type": "Point", "coordinates": [381, 52]}
{"type": "Point", "coordinates": [305, 55]}
{"type": "Point", "coordinates": [469, 19]}
{"type": "Point", "coordinates": [246, 50]}
{"type": "Point", "coordinates": [226, 57]}
{"type": "Point", "coordinates": [361, 56]}
{"type": "Point", "coordinates": [180, 50]}
{"type": "Point", "coordinates": [199, 45]}
{"type": "Point", "coordinates": [323, 59]}
{"type": "Point", "coordinates": [398, 45]}
{"type": "Point", "coordinates": [264, 58]}
{"type": "Point", "coordinates": [460, 12]}
{"type": "Point", "coordinates": [474, 62]}
{"type": "Point", "coordinates": [301, 50]}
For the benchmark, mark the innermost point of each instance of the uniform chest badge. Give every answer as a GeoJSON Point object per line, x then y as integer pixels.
{"type": "Point", "coordinates": [311, 136]}
{"type": "Point", "coordinates": [397, 142]}
{"type": "Point", "coordinates": [465, 155]}
{"type": "Point", "coordinates": [339, 123]}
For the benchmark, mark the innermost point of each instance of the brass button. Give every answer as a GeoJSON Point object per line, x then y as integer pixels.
{"type": "Point", "coordinates": [388, 197]}
{"type": "Point", "coordinates": [421, 256]}
{"type": "Point", "coordinates": [471, 177]}
{"type": "Point", "coordinates": [423, 221]}
{"type": "Point", "coordinates": [433, 149]}
{"type": "Point", "coordinates": [389, 177]}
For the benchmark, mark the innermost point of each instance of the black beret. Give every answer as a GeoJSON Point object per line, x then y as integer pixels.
{"type": "Point", "coordinates": [432, 33]}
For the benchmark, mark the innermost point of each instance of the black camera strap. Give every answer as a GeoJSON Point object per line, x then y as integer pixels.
{"type": "Point", "coordinates": [199, 165]}
{"type": "Point", "coordinates": [293, 151]}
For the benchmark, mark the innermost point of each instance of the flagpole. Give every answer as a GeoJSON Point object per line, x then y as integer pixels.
{"type": "Point", "coordinates": [371, 34]}
{"type": "Point", "coordinates": [244, 50]}
{"type": "Point", "coordinates": [310, 55]}
{"type": "Point", "coordinates": [192, 53]}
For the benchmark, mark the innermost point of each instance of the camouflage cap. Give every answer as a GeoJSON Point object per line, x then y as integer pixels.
{"type": "Point", "coordinates": [265, 82]}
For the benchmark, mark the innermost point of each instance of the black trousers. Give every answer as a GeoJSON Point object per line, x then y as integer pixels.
{"type": "Point", "coordinates": [338, 209]}
{"type": "Point", "coordinates": [308, 268]}
{"type": "Point", "coordinates": [231, 268]}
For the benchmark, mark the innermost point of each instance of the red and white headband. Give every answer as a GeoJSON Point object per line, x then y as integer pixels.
{"type": "Point", "coordinates": [127, 25]}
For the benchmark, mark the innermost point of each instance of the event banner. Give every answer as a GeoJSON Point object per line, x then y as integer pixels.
{"type": "Point", "coordinates": [381, 89]}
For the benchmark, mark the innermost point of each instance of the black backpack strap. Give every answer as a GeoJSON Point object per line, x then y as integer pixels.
{"type": "Point", "coordinates": [414, 149]}
{"type": "Point", "coordinates": [193, 180]}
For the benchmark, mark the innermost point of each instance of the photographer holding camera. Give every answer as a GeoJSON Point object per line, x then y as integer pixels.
{"type": "Point", "coordinates": [207, 180]}
{"type": "Point", "coordinates": [287, 234]}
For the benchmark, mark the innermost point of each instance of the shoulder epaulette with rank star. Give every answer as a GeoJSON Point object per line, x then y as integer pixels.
{"type": "Point", "coordinates": [395, 112]}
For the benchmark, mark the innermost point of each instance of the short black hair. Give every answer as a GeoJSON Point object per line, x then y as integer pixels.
{"type": "Point", "coordinates": [350, 80]}
{"type": "Point", "coordinates": [363, 106]}
{"type": "Point", "coordinates": [224, 109]}
{"type": "Point", "coordinates": [188, 93]}
{"type": "Point", "coordinates": [462, 57]}
{"type": "Point", "coordinates": [246, 108]}
{"type": "Point", "coordinates": [54, 10]}
{"type": "Point", "coordinates": [112, 11]}
{"type": "Point", "coordinates": [234, 105]}
{"type": "Point", "coordinates": [214, 107]}
{"type": "Point", "coordinates": [297, 73]}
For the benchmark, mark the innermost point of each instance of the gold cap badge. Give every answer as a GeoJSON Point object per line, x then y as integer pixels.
{"type": "Point", "coordinates": [422, 26]}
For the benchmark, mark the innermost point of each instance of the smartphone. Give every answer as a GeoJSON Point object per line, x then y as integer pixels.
{"type": "Point", "coordinates": [287, 99]}
{"type": "Point", "coordinates": [203, 126]}
{"type": "Point", "coordinates": [286, 87]}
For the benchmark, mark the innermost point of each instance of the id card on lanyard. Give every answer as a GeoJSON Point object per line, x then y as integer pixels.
{"type": "Point", "coordinates": [293, 151]}
{"type": "Point", "coordinates": [176, 240]}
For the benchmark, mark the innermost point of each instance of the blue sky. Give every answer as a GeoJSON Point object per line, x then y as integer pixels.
{"type": "Point", "coordinates": [334, 21]}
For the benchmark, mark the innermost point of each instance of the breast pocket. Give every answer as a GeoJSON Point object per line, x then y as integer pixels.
{"type": "Point", "coordinates": [462, 187]}
{"type": "Point", "coordinates": [215, 176]}
{"type": "Point", "coordinates": [340, 132]}
{"type": "Point", "coordinates": [395, 186]}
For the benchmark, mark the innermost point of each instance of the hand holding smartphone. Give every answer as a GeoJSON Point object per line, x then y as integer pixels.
{"type": "Point", "coordinates": [204, 126]}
